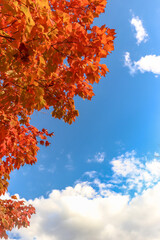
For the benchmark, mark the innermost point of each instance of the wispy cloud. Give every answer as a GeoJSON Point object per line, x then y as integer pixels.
{"type": "Point", "coordinates": [136, 172]}
{"type": "Point", "coordinates": [128, 63]}
{"type": "Point", "coordinates": [148, 63]}
{"type": "Point", "coordinates": [80, 212]}
{"type": "Point", "coordinates": [141, 34]}
{"type": "Point", "coordinates": [69, 166]}
{"type": "Point", "coordinates": [156, 154]}
{"type": "Point", "coordinates": [98, 157]}
{"type": "Point", "coordinates": [52, 169]}
{"type": "Point", "coordinates": [90, 174]}
{"type": "Point", "coordinates": [41, 167]}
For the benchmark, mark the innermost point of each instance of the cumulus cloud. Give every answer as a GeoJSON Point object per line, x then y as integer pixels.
{"type": "Point", "coordinates": [141, 34]}
{"type": "Point", "coordinates": [80, 212]}
{"type": "Point", "coordinates": [148, 63]}
{"type": "Point", "coordinates": [99, 157]}
{"type": "Point", "coordinates": [136, 172]}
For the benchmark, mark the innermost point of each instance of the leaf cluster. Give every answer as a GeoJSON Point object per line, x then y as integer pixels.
{"type": "Point", "coordinates": [50, 52]}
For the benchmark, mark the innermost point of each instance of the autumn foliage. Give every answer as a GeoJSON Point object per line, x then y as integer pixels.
{"type": "Point", "coordinates": [49, 53]}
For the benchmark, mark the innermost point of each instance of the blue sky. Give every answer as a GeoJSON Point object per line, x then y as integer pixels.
{"type": "Point", "coordinates": [99, 178]}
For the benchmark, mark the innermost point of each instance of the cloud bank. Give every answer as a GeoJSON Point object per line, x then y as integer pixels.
{"type": "Point", "coordinates": [93, 210]}
{"type": "Point", "coordinates": [141, 34]}
{"type": "Point", "coordinates": [81, 213]}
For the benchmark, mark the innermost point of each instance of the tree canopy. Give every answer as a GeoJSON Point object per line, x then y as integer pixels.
{"type": "Point", "coordinates": [50, 52]}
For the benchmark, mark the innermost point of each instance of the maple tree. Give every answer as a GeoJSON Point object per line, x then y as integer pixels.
{"type": "Point", "coordinates": [49, 53]}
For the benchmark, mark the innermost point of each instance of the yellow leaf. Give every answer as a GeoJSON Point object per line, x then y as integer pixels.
{"type": "Point", "coordinates": [15, 3]}
{"type": "Point", "coordinates": [43, 3]}
{"type": "Point", "coordinates": [66, 17]}
{"type": "Point", "coordinates": [42, 61]}
{"type": "Point", "coordinates": [29, 19]}
{"type": "Point", "coordinates": [35, 83]}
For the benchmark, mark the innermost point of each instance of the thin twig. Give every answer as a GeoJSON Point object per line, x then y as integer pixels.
{"type": "Point", "coordinates": [7, 37]}
{"type": "Point", "coordinates": [9, 25]}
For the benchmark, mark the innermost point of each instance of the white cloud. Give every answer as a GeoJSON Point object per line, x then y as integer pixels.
{"type": "Point", "coordinates": [148, 63]}
{"type": "Point", "coordinates": [99, 158]}
{"type": "Point", "coordinates": [81, 213]}
{"type": "Point", "coordinates": [141, 34]}
{"type": "Point", "coordinates": [154, 168]}
{"type": "Point", "coordinates": [128, 63]}
{"type": "Point", "coordinates": [156, 154]}
{"type": "Point", "coordinates": [69, 166]}
{"type": "Point", "coordinates": [136, 172]}
{"type": "Point", "coordinates": [94, 211]}
{"type": "Point", "coordinates": [90, 174]}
